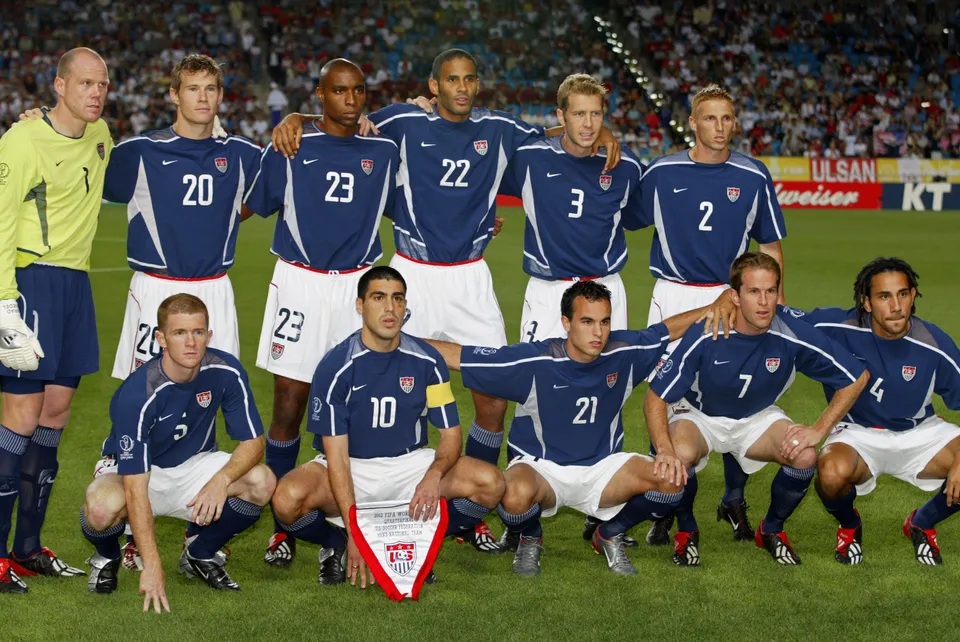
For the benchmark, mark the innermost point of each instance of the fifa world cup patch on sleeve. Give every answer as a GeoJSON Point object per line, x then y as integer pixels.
{"type": "Point", "coordinates": [439, 394]}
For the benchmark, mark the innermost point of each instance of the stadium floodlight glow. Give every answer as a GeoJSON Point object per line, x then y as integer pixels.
{"type": "Point", "coordinates": [945, 30]}
{"type": "Point", "coordinates": [672, 123]}
{"type": "Point", "coordinates": [598, 19]}
{"type": "Point", "coordinates": [614, 35]}
{"type": "Point", "coordinates": [692, 144]}
{"type": "Point", "coordinates": [925, 104]}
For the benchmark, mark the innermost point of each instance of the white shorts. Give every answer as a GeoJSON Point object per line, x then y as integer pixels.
{"type": "Point", "coordinates": [147, 292]}
{"type": "Point", "coordinates": [308, 313]}
{"type": "Point", "coordinates": [725, 435]}
{"type": "Point", "coordinates": [451, 302]}
{"type": "Point", "coordinates": [170, 489]}
{"type": "Point", "coordinates": [903, 455]}
{"type": "Point", "coordinates": [541, 307]}
{"type": "Point", "coordinates": [386, 478]}
{"type": "Point", "coordinates": [579, 487]}
{"type": "Point", "coordinates": [671, 298]}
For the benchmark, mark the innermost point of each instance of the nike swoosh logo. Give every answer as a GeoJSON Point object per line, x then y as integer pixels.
{"type": "Point", "coordinates": [719, 363]}
{"type": "Point", "coordinates": [58, 163]}
{"type": "Point", "coordinates": [428, 144]}
{"type": "Point", "coordinates": [167, 417]}
{"type": "Point", "coordinates": [307, 162]}
{"type": "Point", "coordinates": [549, 175]}
{"type": "Point", "coordinates": [355, 388]}
{"type": "Point", "coordinates": [165, 163]}
{"type": "Point", "coordinates": [556, 387]}
{"type": "Point", "coordinates": [677, 191]}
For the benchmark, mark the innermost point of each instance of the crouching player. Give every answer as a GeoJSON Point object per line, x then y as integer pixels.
{"type": "Point", "coordinates": [161, 457]}
{"type": "Point", "coordinates": [723, 395]}
{"type": "Point", "coordinates": [369, 402]}
{"type": "Point", "coordinates": [567, 435]}
{"type": "Point", "coordinates": [893, 430]}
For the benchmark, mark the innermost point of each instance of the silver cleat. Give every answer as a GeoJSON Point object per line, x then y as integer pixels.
{"type": "Point", "coordinates": [526, 561]}
{"type": "Point", "coordinates": [615, 551]}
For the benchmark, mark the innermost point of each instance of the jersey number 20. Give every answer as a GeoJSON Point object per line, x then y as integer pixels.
{"type": "Point", "coordinates": [199, 189]}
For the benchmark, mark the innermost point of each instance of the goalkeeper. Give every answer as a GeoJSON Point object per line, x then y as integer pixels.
{"type": "Point", "coordinates": [51, 185]}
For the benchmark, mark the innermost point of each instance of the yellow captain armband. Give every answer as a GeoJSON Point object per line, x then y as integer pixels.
{"type": "Point", "coordinates": [439, 395]}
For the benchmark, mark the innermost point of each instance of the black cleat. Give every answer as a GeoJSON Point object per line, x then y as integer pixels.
{"type": "Point", "coordinates": [925, 544]}
{"type": "Point", "coordinates": [591, 523]}
{"type": "Point", "coordinates": [333, 566]}
{"type": "Point", "coordinates": [509, 541]}
{"type": "Point", "coordinates": [480, 537]}
{"type": "Point", "coordinates": [659, 533]}
{"type": "Point", "coordinates": [686, 548]}
{"type": "Point", "coordinates": [10, 582]}
{"type": "Point", "coordinates": [280, 550]}
{"type": "Point", "coordinates": [849, 545]}
{"type": "Point", "coordinates": [44, 563]}
{"type": "Point", "coordinates": [431, 578]}
{"type": "Point", "coordinates": [210, 571]}
{"type": "Point", "coordinates": [103, 574]}
{"type": "Point", "coordinates": [778, 546]}
{"type": "Point", "coordinates": [736, 515]}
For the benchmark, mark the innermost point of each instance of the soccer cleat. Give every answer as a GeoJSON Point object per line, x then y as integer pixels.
{"type": "Point", "coordinates": [686, 548]}
{"type": "Point", "coordinates": [431, 578]}
{"type": "Point", "coordinates": [526, 561]}
{"type": "Point", "coordinates": [615, 551]}
{"type": "Point", "coordinates": [924, 542]}
{"type": "Point", "coordinates": [736, 515]}
{"type": "Point", "coordinates": [849, 545]}
{"type": "Point", "coordinates": [131, 557]}
{"type": "Point", "coordinates": [333, 566]}
{"type": "Point", "coordinates": [103, 574]}
{"type": "Point", "coordinates": [778, 546]}
{"type": "Point", "coordinates": [280, 550]}
{"type": "Point", "coordinates": [481, 538]}
{"type": "Point", "coordinates": [220, 557]}
{"type": "Point", "coordinates": [43, 563]}
{"type": "Point", "coordinates": [509, 541]}
{"type": "Point", "coordinates": [591, 523]}
{"type": "Point", "coordinates": [10, 582]}
{"type": "Point", "coordinates": [659, 533]}
{"type": "Point", "coordinates": [210, 571]}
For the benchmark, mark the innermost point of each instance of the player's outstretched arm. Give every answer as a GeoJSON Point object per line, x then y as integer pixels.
{"type": "Point", "coordinates": [775, 250]}
{"type": "Point", "coordinates": [449, 351]}
{"type": "Point", "coordinates": [797, 437]}
{"type": "Point", "coordinates": [666, 465]}
{"type": "Point", "coordinates": [722, 311]}
{"type": "Point", "coordinates": [426, 498]}
{"type": "Point", "coordinates": [140, 516]}
{"type": "Point", "coordinates": [337, 450]}
{"type": "Point", "coordinates": [208, 503]}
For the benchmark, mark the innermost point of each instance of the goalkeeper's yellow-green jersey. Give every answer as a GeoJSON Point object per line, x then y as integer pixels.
{"type": "Point", "coordinates": [51, 186]}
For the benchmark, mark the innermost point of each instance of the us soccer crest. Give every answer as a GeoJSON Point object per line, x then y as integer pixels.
{"type": "Point", "coordinates": [481, 147]}
{"type": "Point", "coordinates": [606, 181]}
{"type": "Point", "coordinates": [406, 384]}
{"type": "Point", "coordinates": [204, 399]}
{"type": "Point", "coordinates": [221, 164]}
{"type": "Point", "coordinates": [367, 166]}
{"type": "Point", "coordinates": [612, 379]}
{"type": "Point", "coordinates": [276, 351]}
{"type": "Point", "coordinates": [909, 372]}
{"type": "Point", "coordinates": [773, 363]}
{"type": "Point", "coordinates": [733, 193]}
{"type": "Point", "coordinates": [401, 556]}
{"type": "Point", "coordinates": [101, 150]}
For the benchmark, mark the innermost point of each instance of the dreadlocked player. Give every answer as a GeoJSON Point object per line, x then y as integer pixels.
{"type": "Point", "coordinates": [892, 429]}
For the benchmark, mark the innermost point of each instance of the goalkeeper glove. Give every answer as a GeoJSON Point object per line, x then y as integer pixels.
{"type": "Point", "coordinates": [19, 348]}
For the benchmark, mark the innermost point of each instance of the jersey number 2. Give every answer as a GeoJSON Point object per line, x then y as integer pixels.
{"type": "Point", "coordinates": [707, 207]}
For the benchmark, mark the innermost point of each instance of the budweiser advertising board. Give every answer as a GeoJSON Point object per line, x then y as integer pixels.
{"type": "Point", "coordinates": [811, 195]}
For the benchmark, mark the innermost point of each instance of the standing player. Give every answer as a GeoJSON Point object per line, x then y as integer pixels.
{"type": "Point", "coordinates": [330, 200]}
{"type": "Point", "coordinates": [372, 396]}
{"type": "Point", "coordinates": [184, 190]}
{"type": "Point", "coordinates": [452, 162]}
{"type": "Point", "coordinates": [575, 214]}
{"type": "Point", "coordinates": [161, 458]}
{"type": "Point", "coordinates": [893, 430]}
{"type": "Point", "coordinates": [567, 435]}
{"type": "Point", "coordinates": [724, 394]}
{"type": "Point", "coordinates": [707, 204]}
{"type": "Point", "coordinates": [51, 185]}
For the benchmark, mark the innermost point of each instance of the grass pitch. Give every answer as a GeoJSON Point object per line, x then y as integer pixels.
{"type": "Point", "coordinates": [739, 592]}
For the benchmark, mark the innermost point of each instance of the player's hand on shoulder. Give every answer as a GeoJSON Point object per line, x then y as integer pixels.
{"type": "Point", "coordinates": [19, 347]}
{"type": "Point", "coordinates": [612, 145]}
{"type": "Point", "coordinates": [287, 135]}
{"type": "Point", "coordinates": [153, 588]}
{"type": "Point", "coordinates": [424, 103]}
{"type": "Point", "coordinates": [366, 127]}
{"type": "Point", "coordinates": [32, 114]}
{"type": "Point", "coordinates": [721, 314]}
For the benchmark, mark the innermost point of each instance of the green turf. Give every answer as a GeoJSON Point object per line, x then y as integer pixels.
{"type": "Point", "coordinates": [738, 592]}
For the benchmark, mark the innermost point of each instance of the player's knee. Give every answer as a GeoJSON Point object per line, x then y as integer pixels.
{"type": "Point", "coordinates": [806, 459]}
{"type": "Point", "coordinates": [103, 506]}
{"type": "Point", "coordinates": [667, 487]}
{"type": "Point", "coordinates": [489, 485]}
{"type": "Point", "coordinates": [833, 475]}
{"type": "Point", "coordinates": [55, 418]}
{"type": "Point", "coordinates": [261, 484]}
{"type": "Point", "coordinates": [490, 412]}
{"type": "Point", "coordinates": [288, 501]}
{"type": "Point", "coordinates": [686, 453]}
{"type": "Point", "coordinates": [518, 497]}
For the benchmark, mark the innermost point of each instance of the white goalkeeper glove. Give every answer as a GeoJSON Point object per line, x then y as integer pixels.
{"type": "Point", "coordinates": [19, 348]}
{"type": "Point", "coordinates": [218, 130]}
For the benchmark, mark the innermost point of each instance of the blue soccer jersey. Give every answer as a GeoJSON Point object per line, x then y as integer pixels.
{"type": "Point", "coordinates": [568, 412]}
{"type": "Point", "coordinates": [157, 422]}
{"type": "Point", "coordinates": [330, 199]}
{"type": "Point", "coordinates": [742, 375]}
{"type": "Point", "coordinates": [705, 215]}
{"type": "Point", "coordinates": [904, 373]}
{"type": "Point", "coordinates": [449, 177]}
{"type": "Point", "coordinates": [184, 198]}
{"type": "Point", "coordinates": [575, 214]}
{"type": "Point", "coordinates": [381, 400]}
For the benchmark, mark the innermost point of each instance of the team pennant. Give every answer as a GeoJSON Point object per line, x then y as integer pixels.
{"type": "Point", "coordinates": [399, 550]}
